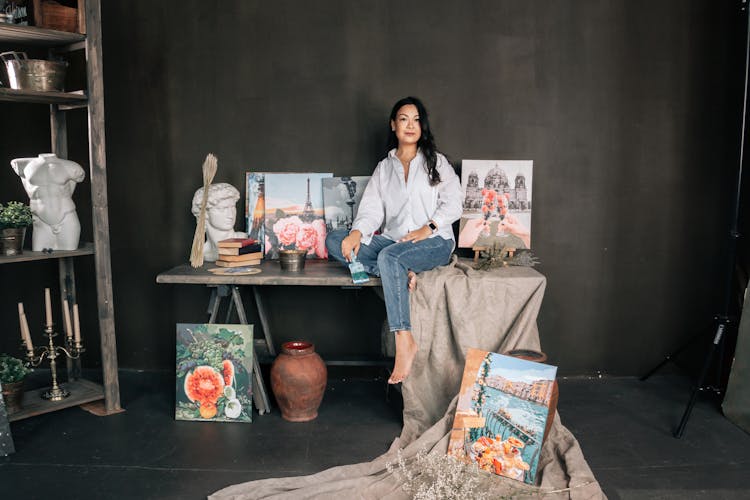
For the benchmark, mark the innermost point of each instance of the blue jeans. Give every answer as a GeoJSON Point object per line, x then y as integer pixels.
{"type": "Point", "coordinates": [392, 262]}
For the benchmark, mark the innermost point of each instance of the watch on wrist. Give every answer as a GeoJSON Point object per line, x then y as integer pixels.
{"type": "Point", "coordinates": [432, 226]}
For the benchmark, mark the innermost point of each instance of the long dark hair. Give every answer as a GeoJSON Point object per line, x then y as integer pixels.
{"type": "Point", "coordinates": [426, 140]}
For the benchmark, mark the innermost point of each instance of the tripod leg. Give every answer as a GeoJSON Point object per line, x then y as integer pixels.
{"type": "Point", "coordinates": [699, 386]}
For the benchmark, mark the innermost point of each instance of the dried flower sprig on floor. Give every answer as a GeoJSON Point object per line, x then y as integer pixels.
{"type": "Point", "coordinates": [428, 476]}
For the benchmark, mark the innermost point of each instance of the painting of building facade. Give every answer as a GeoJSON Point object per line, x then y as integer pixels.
{"type": "Point", "coordinates": [214, 372]}
{"type": "Point", "coordinates": [341, 197]}
{"type": "Point", "coordinates": [497, 203]}
{"type": "Point", "coordinates": [294, 214]}
{"type": "Point", "coordinates": [502, 413]}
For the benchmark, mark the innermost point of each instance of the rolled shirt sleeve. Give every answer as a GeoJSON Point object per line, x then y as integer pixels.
{"type": "Point", "coordinates": [449, 197]}
{"type": "Point", "coordinates": [371, 209]}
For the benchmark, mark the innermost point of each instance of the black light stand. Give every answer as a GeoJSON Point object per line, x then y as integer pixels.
{"type": "Point", "coordinates": [722, 320]}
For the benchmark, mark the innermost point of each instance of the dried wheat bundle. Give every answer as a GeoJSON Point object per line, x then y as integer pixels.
{"type": "Point", "coordinates": [209, 171]}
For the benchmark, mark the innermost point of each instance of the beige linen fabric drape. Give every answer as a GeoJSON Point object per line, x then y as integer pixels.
{"type": "Point", "coordinates": [453, 308]}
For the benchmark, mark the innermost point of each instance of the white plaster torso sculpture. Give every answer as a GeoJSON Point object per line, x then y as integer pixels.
{"type": "Point", "coordinates": [221, 212]}
{"type": "Point", "coordinates": [50, 181]}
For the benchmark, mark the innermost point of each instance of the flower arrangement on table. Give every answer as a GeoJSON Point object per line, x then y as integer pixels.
{"type": "Point", "coordinates": [293, 233]}
{"type": "Point", "coordinates": [211, 373]}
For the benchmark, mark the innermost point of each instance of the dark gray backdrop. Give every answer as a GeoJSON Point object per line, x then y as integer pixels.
{"type": "Point", "coordinates": [628, 109]}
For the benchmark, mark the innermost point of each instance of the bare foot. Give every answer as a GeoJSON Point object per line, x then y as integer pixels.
{"type": "Point", "coordinates": [412, 281]}
{"type": "Point", "coordinates": [406, 350]}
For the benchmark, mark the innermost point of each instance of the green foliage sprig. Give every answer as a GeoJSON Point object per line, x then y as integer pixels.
{"type": "Point", "coordinates": [15, 215]}
{"type": "Point", "coordinates": [11, 369]}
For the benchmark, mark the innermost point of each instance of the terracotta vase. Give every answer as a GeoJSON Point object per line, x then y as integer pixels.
{"type": "Point", "coordinates": [13, 396]}
{"type": "Point", "coordinates": [298, 380]}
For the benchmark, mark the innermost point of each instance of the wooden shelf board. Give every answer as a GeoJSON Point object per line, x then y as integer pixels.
{"type": "Point", "coordinates": [81, 391]}
{"type": "Point", "coordinates": [37, 36]}
{"type": "Point", "coordinates": [28, 255]}
{"type": "Point", "coordinates": [37, 97]}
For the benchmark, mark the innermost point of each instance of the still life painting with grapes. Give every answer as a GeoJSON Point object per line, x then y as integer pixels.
{"type": "Point", "coordinates": [214, 367]}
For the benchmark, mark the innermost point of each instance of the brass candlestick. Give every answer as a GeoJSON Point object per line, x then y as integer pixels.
{"type": "Point", "coordinates": [52, 352]}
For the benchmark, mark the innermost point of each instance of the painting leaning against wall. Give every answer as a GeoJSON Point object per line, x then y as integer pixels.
{"type": "Point", "coordinates": [214, 372]}
{"type": "Point", "coordinates": [341, 197]}
{"type": "Point", "coordinates": [294, 217]}
{"type": "Point", "coordinates": [255, 206]}
{"type": "Point", "coordinates": [497, 203]}
{"type": "Point", "coordinates": [6, 439]}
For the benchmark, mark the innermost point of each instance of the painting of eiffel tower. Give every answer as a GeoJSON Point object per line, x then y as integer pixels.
{"type": "Point", "coordinates": [308, 213]}
{"type": "Point", "coordinates": [294, 214]}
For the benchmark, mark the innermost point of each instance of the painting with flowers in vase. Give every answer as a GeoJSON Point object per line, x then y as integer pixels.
{"type": "Point", "coordinates": [496, 204]}
{"type": "Point", "coordinates": [214, 372]}
{"type": "Point", "coordinates": [294, 215]}
{"type": "Point", "coordinates": [502, 414]}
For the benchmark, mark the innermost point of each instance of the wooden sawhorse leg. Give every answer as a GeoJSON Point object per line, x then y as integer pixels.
{"type": "Point", "coordinates": [218, 292]}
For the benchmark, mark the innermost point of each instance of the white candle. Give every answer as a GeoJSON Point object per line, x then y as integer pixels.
{"type": "Point", "coordinates": [48, 306]}
{"type": "Point", "coordinates": [66, 318]}
{"type": "Point", "coordinates": [29, 344]}
{"type": "Point", "coordinates": [76, 324]}
{"type": "Point", "coordinates": [20, 324]}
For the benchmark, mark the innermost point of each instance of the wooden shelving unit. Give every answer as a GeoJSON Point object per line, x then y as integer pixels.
{"type": "Point", "coordinates": [59, 42]}
{"type": "Point", "coordinates": [29, 256]}
{"type": "Point", "coordinates": [36, 97]}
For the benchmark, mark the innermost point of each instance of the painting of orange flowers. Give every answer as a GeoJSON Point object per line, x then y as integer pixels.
{"type": "Point", "coordinates": [214, 372]}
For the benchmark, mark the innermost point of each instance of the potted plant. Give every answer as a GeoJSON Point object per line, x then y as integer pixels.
{"type": "Point", "coordinates": [15, 217]}
{"type": "Point", "coordinates": [12, 374]}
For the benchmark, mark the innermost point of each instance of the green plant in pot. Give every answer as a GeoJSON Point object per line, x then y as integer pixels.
{"type": "Point", "coordinates": [15, 217]}
{"type": "Point", "coordinates": [12, 375]}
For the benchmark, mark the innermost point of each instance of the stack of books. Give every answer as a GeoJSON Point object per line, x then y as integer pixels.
{"type": "Point", "coordinates": [237, 252]}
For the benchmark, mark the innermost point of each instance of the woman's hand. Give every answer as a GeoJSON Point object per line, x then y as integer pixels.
{"type": "Point", "coordinates": [420, 234]}
{"type": "Point", "coordinates": [469, 234]}
{"type": "Point", "coordinates": [351, 243]}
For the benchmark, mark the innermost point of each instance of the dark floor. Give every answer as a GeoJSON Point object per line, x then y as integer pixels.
{"type": "Point", "coordinates": [624, 427]}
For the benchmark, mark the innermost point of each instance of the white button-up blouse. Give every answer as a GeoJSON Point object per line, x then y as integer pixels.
{"type": "Point", "coordinates": [401, 206]}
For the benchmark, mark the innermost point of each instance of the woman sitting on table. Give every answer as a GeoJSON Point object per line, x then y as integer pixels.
{"type": "Point", "coordinates": [415, 195]}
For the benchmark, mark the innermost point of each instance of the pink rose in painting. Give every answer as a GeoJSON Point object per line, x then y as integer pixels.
{"type": "Point", "coordinates": [320, 245]}
{"type": "Point", "coordinates": [268, 245]}
{"type": "Point", "coordinates": [307, 237]}
{"type": "Point", "coordinates": [286, 230]}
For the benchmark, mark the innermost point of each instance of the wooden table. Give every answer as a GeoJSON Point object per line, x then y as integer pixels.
{"type": "Point", "coordinates": [315, 273]}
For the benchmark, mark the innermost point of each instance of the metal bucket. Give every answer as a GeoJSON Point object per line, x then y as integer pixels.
{"type": "Point", "coordinates": [34, 74]}
{"type": "Point", "coordinates": [292, 260]}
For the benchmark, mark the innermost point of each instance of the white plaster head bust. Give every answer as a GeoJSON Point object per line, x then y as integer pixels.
{"type": "Point", "coordinates": [221, 213]}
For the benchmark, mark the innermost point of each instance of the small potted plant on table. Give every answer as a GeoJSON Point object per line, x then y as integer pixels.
{"type": "Point", "coordinates": [15, 217]}
{"type": "Point", "coordinates": [12, 375]}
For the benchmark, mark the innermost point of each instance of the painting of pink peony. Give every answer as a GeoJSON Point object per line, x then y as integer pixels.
{"type": "Point", "coordinates": [294, 217]}
{"type": "Point", "coordinates": [214, 367]}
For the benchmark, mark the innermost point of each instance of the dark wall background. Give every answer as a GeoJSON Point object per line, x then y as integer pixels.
{"type": "Point", "coordinates": [629, 110]}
